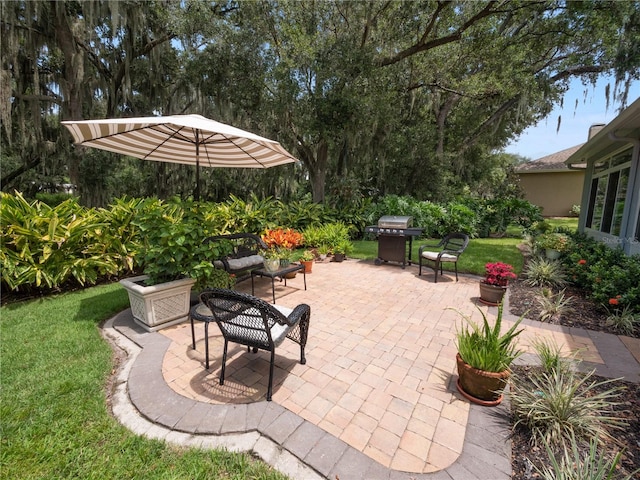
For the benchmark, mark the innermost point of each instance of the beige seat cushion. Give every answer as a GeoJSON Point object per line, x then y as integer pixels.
{"type": "Point", "coordinates": [433, 256]}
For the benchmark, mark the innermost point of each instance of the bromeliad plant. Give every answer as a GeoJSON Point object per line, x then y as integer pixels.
{"type": "Point", "coordinates": [498, 274]}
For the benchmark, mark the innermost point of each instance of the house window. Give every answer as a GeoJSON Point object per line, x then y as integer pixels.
{"type": "Point", "coordinates": [618, 205]}
{"type": "Point", "coordinates": [609, 193]}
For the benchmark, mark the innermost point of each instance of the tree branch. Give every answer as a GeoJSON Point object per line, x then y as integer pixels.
{"type": "Point", "coordinates": [422, 45]}
{"type": "Point", "coordinates": [7, 179]}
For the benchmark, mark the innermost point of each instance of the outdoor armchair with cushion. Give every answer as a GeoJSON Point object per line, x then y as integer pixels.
{"type": "Point", "coordinates": [451, 247]}
{"type": "Point", "coordinates": [250, 321]}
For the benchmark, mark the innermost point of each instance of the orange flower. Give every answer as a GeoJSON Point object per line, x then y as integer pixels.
{"type": "Point", "coordinates": [582, 261]}
{"type": "Point", "coordinates": [613, 301]}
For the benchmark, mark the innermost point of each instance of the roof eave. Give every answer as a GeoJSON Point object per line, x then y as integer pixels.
{"type": "Point", "coordinates": [621, 129]}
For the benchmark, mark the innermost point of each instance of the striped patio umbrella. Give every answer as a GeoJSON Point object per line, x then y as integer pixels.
{"type": "Point", "coordinates": [187, 139]}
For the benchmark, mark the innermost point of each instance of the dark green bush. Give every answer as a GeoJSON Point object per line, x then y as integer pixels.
{"type": "Point", "coordinates": [608, 275]}
{"type": "Point", "coordinates": [495, 215]}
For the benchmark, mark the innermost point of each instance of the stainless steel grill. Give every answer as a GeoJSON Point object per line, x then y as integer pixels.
{"type": "Point", "coordinates": [393, 232]}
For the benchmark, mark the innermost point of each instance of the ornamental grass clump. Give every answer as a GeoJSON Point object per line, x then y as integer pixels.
{"type": "Point", "coordinates": [554, 305]}
{"type": "Point", "coordinates": [541, 272]}
{"type": "Point", "coordinates": [571, 464]}
{"type": "Point", "coordinates": [623, 320]}
{"type": "Point", "coordinates": [484, 347]}
{"type": "Point", "coordinates": [560, 404]}
{"type": "Point", "coordinates": [549, 355]}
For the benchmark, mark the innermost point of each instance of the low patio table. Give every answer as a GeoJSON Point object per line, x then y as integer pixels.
{"type": "Point", "coordinates": [280, 273]}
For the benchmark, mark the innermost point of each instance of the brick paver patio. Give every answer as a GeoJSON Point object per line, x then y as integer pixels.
{"type": "Point", "coordinates": [380, 372]}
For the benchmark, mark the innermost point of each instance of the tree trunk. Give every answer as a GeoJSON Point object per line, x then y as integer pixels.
{"type": "Point", "coordinates": [318, 175]}
{"type": "Point", "coordinates": [73, 82]}
{"type": "Point", "coordinates": [316, 165]}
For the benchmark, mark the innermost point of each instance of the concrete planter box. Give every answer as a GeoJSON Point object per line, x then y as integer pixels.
{"type": "Point", "coordinates": [158, 306]}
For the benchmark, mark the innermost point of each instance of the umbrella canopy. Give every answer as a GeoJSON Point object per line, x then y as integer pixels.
{"type": "Point", "coordinates": [187, 139]}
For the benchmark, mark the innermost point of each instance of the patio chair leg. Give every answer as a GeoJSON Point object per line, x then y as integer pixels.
{"type": "Point", "coordinates": [206, 345]}
{"type": "Point", "coordinates": [193, 333]}
{"type": "Point", "coordinates": [435, 270]}
{"type": "Point", "coordinates": [455, 264]}
{"type": "Point", "coordinates": [270, 387]}
{"type": "Point", "coordinates": [224, 362]}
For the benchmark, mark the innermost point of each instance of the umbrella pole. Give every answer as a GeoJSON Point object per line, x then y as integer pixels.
{"type": "Point", "coordinates": [196, 193]}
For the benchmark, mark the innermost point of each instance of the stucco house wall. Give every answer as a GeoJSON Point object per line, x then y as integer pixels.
{"type": "Point", "coordinates": [555, 192]}
{"type": "Point", "coordinates": [548, 183]}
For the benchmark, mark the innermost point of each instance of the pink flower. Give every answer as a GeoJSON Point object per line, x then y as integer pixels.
{"type": "Point", "coordinates": [498, 273]}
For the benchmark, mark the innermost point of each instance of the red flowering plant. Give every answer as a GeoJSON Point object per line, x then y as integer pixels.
{"type": "Point", "coordinates": [498, 273]}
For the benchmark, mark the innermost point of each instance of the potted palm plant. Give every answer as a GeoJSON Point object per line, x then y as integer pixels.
{"type": "Point", "coordinates": [494, 285]}
{"type": "Point", "coordinates": [484, 358]}
{"type": "Point", "coordinates": [174, 259]}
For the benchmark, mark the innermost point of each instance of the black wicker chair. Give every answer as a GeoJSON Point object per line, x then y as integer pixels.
{"type": "Point", "coordinates": [451, 247]}
{"type": "Point", "coordinates": [251, 321]}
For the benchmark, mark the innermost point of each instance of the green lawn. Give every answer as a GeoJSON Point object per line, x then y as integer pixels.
{"type": "Point", "coordinates": [54, 418]}
{"type": "Point", "coordinates": [570, 223]}
{"type": "Point", "coordinates": [479, 252]}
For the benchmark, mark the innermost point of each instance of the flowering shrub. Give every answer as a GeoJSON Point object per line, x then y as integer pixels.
{"type": "Point", "coordinates": [607, 275]}
{"type": "Point", "coordinates": [498, 273]}
{"type": "Point", "coordinates": [554, 241]}
{"type": "Point", "coordinates": [286, 238]}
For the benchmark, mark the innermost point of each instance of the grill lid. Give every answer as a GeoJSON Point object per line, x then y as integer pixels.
{"type": "Point", "coordinates": [394, 221]}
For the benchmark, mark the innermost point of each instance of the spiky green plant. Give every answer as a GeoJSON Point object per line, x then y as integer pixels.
{"type": "Point", "coordinates": [623, 320]}
{"type": "Point", "coordinates": [554, 305]}
{"type": "Point", "coordinates": [540, 272]}
{"type": "Point", "coordinates": [559, 405]}
{"type": "Point", "coordinates": [483, 347]}
{"type": "Point", "coordinates": [572, 465]}
{"type": "Point", "coordinates": [549, 355]}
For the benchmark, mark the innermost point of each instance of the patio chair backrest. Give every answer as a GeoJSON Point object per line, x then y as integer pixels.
{"type": "Point", "coordinates": [455, 242]}
{"type": "Point", "coordinates": [246, 319]}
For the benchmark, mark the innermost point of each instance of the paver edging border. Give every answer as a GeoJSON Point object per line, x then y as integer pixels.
{"type": "Point", "coordinates": [268, 429]}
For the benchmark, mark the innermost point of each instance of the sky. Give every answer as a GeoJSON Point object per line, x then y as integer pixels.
{"type": "Point", "coordinates": [542, 139]}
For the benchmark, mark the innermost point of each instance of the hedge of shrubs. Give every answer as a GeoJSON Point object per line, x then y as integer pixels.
{"type": "Point", "coordinates": [49, 246]}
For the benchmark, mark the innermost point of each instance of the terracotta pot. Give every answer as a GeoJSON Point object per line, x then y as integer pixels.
{"type": "Point", "coordinates": [308, 265]}
{"type": "Point", "coordinates": [483, 388]}
{"type": "Point", "coordinates": [491, 294]}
